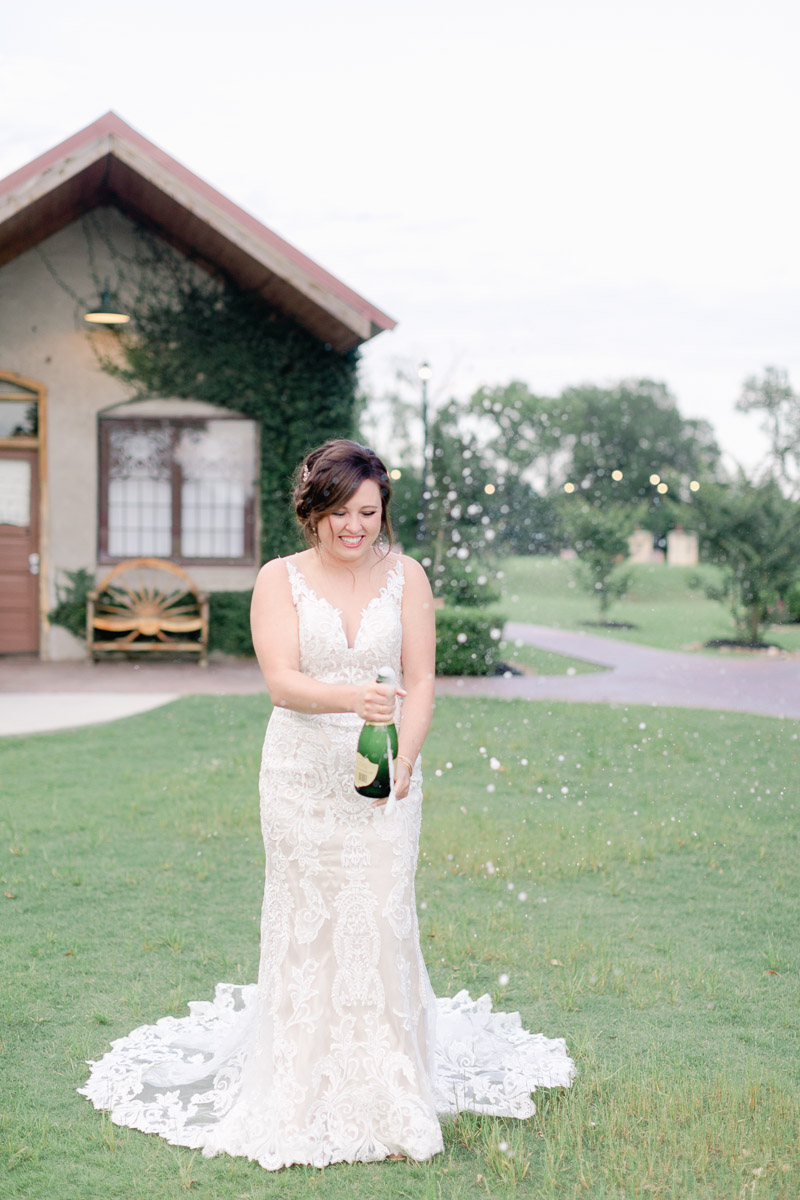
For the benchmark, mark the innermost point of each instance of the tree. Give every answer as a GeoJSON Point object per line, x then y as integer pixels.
{"type": "Point", "coordinates": [752, 531]}
{"type": "Point", "coordinates": [405, 512]}
{"type": "Point", "coordinates": [475, 506]}
{"type": "Point", "coordinates": [634, 431]}
{"type": "Point", "coordinates": [524, 522]}
{"type": "Point", "coordinates": [600, 539]}
{"type": "Point", "coordinates": [606, 442]}
{"type": "Point", "coordinates": [460, 539]}
{"type": "Point", "coordinates": [773, 397]}
{"type": "Point", "coordinates": [524, 433]}
{"type": "Point", "coordinates": [390, 421]}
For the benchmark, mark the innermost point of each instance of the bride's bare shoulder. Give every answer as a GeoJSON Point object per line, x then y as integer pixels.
{"type": "Point", "coordinates": [274, 576]}
{"type": "Point", "coordinates": [414, 572]}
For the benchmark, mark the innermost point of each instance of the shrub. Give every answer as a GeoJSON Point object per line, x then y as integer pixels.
{"type": "Point", "coordinates": [456, 581]}
{"type": "Point", "coordinates": [70, 610]}
{"type": "Point", "coordinates": [600, 538]}
{"type": "Point", "coordinates": [463, 585]}
{"type": "Point", "coordinates": [229, 623]}
{"type": "Point", "coordinates": [467, 642]}
{"type": "Point", "coordinates": [752, 531]}
{"type": "Point", "coordinates": [792, 601]}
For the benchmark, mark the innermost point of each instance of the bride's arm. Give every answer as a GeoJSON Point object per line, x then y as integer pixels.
{"type": "Point", "coordinates": [276, 640]}
{"type": "Point", "coordinates": [419, 669]}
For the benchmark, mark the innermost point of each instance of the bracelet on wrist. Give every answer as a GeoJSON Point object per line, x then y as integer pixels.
{"type": "Point", "coordinates": [408, 763]}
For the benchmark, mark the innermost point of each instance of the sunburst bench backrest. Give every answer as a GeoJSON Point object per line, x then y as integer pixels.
{"type": "Point", "coordinates": [147, 605]}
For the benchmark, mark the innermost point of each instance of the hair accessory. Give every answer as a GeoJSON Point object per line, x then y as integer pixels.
{"type": "Point", "coordinates": [305, 474]}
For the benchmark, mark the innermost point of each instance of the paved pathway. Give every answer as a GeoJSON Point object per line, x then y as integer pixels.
{"type": "Point", "coordinates": [644, 675]}
{"type": "Point", "coordinates": [36, 696]}
{"type": "Point", "coordinates": [35, 712]}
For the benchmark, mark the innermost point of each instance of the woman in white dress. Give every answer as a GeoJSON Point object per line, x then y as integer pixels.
{"type": "Point", "coordinates": [340, 1051]}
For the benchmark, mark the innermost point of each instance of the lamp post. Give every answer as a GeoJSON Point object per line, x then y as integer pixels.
{"type": "Point", "coordinates": [424, 374]}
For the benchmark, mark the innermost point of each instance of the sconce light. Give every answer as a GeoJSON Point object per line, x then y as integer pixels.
{"type": "Point", "coordinates": [107, 311]}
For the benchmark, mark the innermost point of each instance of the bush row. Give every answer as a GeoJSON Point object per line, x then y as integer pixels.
{"type": "Point", "coordinates": [467, 641]}
{"type": "Point", "coordinates": [229, 623]}
{"type": "Point", "coordinates": [792, 601]}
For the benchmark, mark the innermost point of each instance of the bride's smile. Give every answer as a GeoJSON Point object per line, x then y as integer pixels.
{"type": "Point", "coordinates": [352, 528]}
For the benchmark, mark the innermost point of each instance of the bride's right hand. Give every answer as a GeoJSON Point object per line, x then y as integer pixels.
{"type": "Point", "coordinates": [375, 702]}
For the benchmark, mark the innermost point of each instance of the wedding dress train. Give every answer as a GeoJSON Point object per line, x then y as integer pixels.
{"type": "Point", "coordinates": [340, 1052]}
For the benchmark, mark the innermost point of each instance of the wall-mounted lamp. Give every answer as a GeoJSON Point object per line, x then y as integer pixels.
{"type": "Point", "coordinates": [107, 311]}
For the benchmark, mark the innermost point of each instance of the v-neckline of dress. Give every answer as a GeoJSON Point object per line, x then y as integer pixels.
{"type": "Point", "coordinates": [338, 612]}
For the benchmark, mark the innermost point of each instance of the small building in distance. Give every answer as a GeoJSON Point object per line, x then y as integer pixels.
{"type": "Point", "coordinates": [681, 551]}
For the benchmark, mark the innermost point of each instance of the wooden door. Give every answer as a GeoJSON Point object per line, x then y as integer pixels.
{"type": "Point", "coordinates": [19, 551]}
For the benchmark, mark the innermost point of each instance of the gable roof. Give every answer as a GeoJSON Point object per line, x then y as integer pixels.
{"type": "Point", "coordinates": [108, 162]}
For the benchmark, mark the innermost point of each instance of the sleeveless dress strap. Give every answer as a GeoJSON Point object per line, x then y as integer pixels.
{"type": "Point", "coordinates": [393, 587]}
{"type": "Point", "coordinates": [297, 581]}
{"type": "Point", "coordinates": [394, 582]}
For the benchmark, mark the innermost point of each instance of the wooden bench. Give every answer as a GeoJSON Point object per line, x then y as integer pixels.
{"type": "Point", "coordinates": [147, 606]}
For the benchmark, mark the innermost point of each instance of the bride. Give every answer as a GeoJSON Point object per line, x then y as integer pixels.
{"type": "Point", "coordinates": [340, 1052]}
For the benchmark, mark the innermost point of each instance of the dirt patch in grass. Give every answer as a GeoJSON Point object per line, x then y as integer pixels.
{"type": "Point", "coordinates": [609, 625]}
{"type": "Point", "coordinates": [735, 644]}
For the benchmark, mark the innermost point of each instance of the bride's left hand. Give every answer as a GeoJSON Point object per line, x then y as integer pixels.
{"type": "Point", "coordinates": [402, 782]}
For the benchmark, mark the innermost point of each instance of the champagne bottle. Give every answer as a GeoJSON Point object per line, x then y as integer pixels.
{"type": "Point", "coordinates": [373, 775]}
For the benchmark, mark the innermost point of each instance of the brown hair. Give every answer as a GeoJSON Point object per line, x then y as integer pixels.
{"type": "Point", "coordinates": [329, 476]}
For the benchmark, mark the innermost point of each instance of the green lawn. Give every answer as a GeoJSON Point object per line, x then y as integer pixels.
{"type": "Point", "coordinates": [634, 872]}
{"type": "Point", "coordinates": [530, 660]}
{"type": "Point", "coordinates": [664, 609]}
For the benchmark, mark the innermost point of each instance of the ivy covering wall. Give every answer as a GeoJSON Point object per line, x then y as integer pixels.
{"type": "Point", "coordinates": [197, 336]}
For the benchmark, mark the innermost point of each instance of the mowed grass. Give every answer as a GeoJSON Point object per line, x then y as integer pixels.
{"type": "Point", "coordinates": [530, 660]}
{"type": "Point", "coordinates": [634, 873]}
{"type": "Point", "coordinates": [665, 611]}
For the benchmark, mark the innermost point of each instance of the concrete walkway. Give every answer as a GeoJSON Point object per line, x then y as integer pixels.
{"type": "Point", "coordinates": [37, 696]}
{"type": "Point", "coordinates": [46, 712]}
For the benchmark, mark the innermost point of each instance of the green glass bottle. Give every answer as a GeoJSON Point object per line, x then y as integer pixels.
{"type": "Point", "coordinates": [372, 776]}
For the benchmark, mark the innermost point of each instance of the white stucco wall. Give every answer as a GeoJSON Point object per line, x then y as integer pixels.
{"type": "Point", "coordinates": [43, 297]}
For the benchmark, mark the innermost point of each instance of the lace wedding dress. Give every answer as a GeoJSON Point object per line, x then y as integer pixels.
{"type": "Point", "coordinates": [340, 1052]}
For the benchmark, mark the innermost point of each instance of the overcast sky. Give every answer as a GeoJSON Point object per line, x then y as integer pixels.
{"type": "Point", "coordinates": [559, 192]}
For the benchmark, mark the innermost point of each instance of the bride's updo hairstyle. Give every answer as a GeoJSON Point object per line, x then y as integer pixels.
{"type": "Point", "coordinates": [329, 476]}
